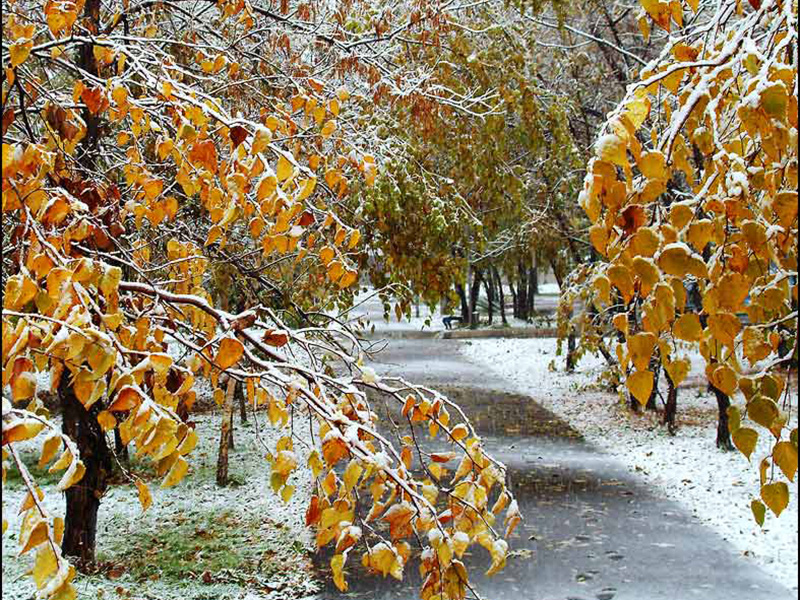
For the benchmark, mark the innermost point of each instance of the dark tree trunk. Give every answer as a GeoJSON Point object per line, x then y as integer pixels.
{"type": "Point", "coordinates": [655, 367]}
{"type": "Point", "coordinates": [514, 300]}
{"type": "Point", "coordinates": [488, 285]}
{"type": "Point", "coordinates": [500, 294]}
{"type": "Point", "coordinates": [671, 409]}
{"type": "Point", "coordinates": [462, 295]}
{"type": "Point", "coordinates": [120, 449]}
{"type": "Point", "coordinates": [83, 498]}
{"type": "Point", "coordinates": [474, 294]}
{"type": "Point", "coordinates": [723, 430]}
{"type": "Point", "coordinates": [532, 287]}
{"type": "Point", "coordinates": [522, 291]}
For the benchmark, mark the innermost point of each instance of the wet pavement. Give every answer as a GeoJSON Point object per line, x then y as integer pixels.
{"type": "Point", "coordinates": [592, 531]}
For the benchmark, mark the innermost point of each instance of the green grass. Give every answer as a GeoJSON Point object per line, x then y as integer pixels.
{"type": "Point", "coordinates": [207, 548]}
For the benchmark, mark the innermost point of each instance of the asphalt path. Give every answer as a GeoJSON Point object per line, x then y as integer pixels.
{"type": "Point", "coordinates": [591, 530]}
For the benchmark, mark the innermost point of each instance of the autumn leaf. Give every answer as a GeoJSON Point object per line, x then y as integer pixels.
{"type": "Point", "coordinates": [229, 353]}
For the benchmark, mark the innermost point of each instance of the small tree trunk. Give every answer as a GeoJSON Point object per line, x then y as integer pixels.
{"type": "Point", "coordinates": [488, 284]}
{"type": "Point", "coordinates": [571, 352]}
{"type": "Point", "coordinates": [532, 287]}
{"type": "Point", "coordinates": [655, 367]}
{"type": "Point", "coordinates": [514, 301]}
{"type": "Point", "coordinates": [83, 498]}
{"type": "Point", "coordinates": [671, 409]}
{"type": "Point", "coordinates": [462, 295]}
{"type": "Point", "coordinates": [225, 434]}
{"type": "Point", "coordinates": [522, 291]}
{"type": "Point", "coordinates": [723, 430]}
{"type": "Point", "coordinates": [475, 291]}
{"type": "Point", "coordinates": [120, 449]}
{"type": "Point", "coordinates": [242, 403]}
{"type": "Point", "coordinates": [501, 295]}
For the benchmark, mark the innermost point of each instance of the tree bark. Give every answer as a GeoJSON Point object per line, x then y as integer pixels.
{"type": "Point", "coordinates": [723, 430]}
{"type": "Point", "coordinates": [488, 284]}
{"type": "Point", "coordinates": [671, 409]}
{"type": "Point", "coordinates": [522, 291]}
{"type": "Point", "coordinates": [462, 295]}
{"type": "Point", "coordinates": [83, 499]}
{"type": "Point", "coordinates": [225, 434]}
{"type": "Point", "coordinates": [242, 403]}
{"type": "Point", "coordinates": [514, 301]}
{"type": "Point", "coordinates": [475, 291]}
{"type": "Point", "coordinates": [501, 295]}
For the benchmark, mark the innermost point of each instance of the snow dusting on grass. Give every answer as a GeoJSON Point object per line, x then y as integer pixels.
{"type": "Point", "coordinates": [715, 486]}
{"type": "Point", "coordinates": [197, 541]}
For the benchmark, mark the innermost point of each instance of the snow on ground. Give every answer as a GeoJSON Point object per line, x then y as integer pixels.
{"type": "Point", "coordinates": [368, 309]}
{"type": "Point", "coordinates": [716, 487]}
{"type": "Point", "coordinates": [197, 541]}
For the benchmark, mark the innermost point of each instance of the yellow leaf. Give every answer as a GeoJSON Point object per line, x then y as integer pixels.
{"type": "Point", "coordinates": [351, 475]}
{"type": "Point", "coordinates": [287, 492]}
{"type": "Point", "coordinates": [37, 535]}
{"type": "Point", "coordinates": [724, 378]}
{"type": "Point", "coordinates": [328, 129]}
{"type": "Point", "coordinates": [459, 432]}
{"type": "Point", "coordinates": [653, 165]}
{"type": "Point", "coordinates": [745, 439]}
{"type": "Point", "coordinates": [785, 456]}
{"type": "Point", "coordinates": [307, 187]}
{"type": "Point", "coordinates": [45, 565]}
{"type": "Point", "coordinates": [229, 353]}
{"type": "Point", "coordinates": [776, 496]}
{"type": "Point", "coordinates": [50, 446]}
{"type": "Point", "coordinates": [678, 370]}
{"type": "Point", "coordinates": [724, 327]}
{"type": "Point", "coordinates": [72, 475]}
{"type": "Point", "coordinates": [641, 348]}
{"type": "Point", "coordinates": [284, 168]}
{"type": "Point", "coordinates": [640, 385]}
{"type": "Point", "coordinates": [20, 51]}
{"type": "Point", "coordinates": [337, 568]}
{"type": "Point", "coordinates": [106, 420]}
{"type": "Point", "coordinates": [145, 498]}
{"type": "Point", "coordinates": [176, 472]}
{"type": "Point", "coordinates": [763, 410]}
{"type": "Point", "coordinates": [611, 148]}
{"type": "Point", "coordinates": [687, 327]}
{"type": "Point", "coordinates": [20, 430]}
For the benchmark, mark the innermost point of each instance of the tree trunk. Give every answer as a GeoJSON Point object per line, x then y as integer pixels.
{"type": "Point", "coordinates": [522, 291]}
{"type": "Point", "coordinates": [462, 295]}
{"type": "Point", "coordinates": [242, 403]}
{"type": "Point", "coordinates": [723, 430]}
{"type": "Point", "coordinates": [514, 301]}
{"type": "Point", "coordinates": [475, 291]}
{"type": "Point", "coordinates": [120, 449]}
{"type": "Point", "coordinates": [655, 367]}
{"type": "Point", "coordinates": [83, 498]}
{"type": "Point", "coordinates": [532, 285]}
{"type": "Point", "coordinates": [501, 295]}
{"type": "Point", "coordinates": [671, 409]}
{"type": "Point", "coordinates": [488, 285]}
{"type": "Point", "coordinates": [225, 437]}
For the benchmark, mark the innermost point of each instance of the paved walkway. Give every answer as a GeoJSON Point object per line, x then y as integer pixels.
{"type": "Point", "coordinates": [591, 530]}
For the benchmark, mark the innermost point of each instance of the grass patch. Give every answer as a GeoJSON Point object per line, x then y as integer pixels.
{"type": "Point", "coordinates": [204, 548]}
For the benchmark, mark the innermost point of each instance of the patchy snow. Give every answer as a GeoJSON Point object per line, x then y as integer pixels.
{"type": "Point", "coordinates": [716, 487]}
{"type": "Point", "coordinates": [246, 520]}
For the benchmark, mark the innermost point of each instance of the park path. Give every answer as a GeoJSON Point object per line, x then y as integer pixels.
{"type": "Point", "coordinates": [591, 530]}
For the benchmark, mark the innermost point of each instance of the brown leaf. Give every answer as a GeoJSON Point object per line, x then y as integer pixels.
{"type": "Point", "coordinates": [238, 135]}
